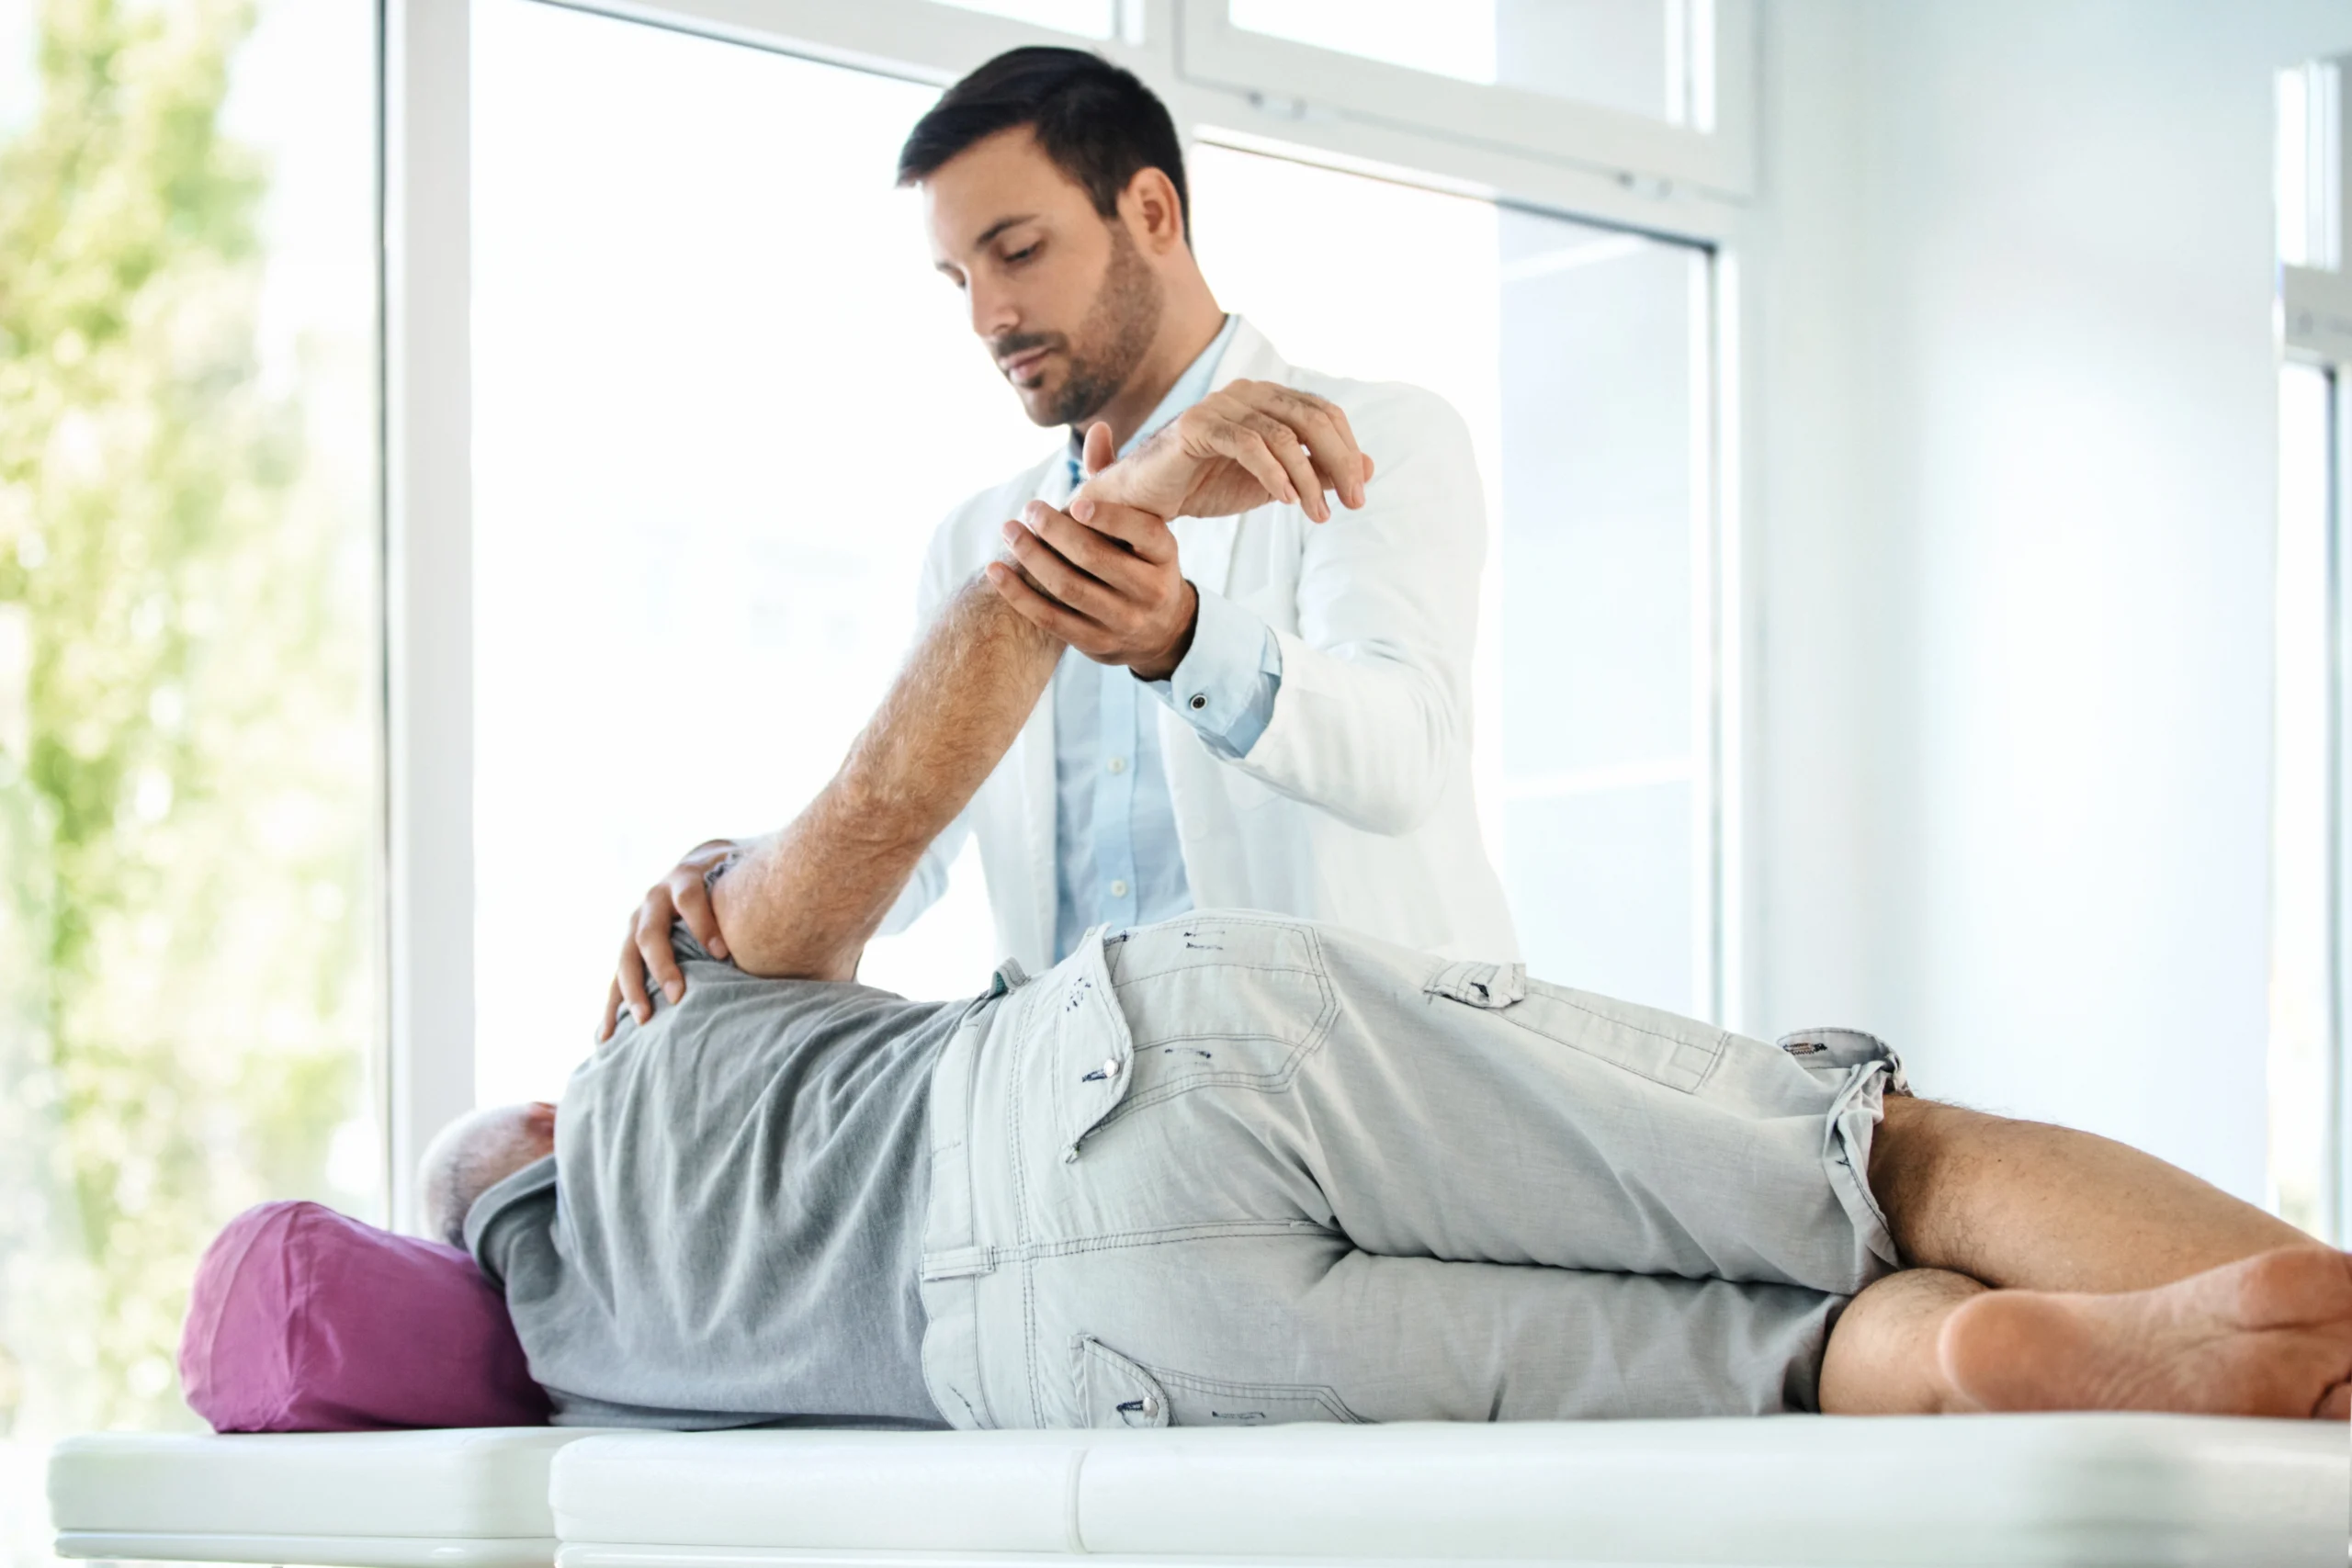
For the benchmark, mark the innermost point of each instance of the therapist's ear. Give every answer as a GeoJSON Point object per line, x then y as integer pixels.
{"type": "Point", "coordinates": [1098, 451]}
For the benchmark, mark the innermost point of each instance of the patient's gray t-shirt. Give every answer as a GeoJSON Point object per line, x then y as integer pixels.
{"type": "Point", "coordinates": [730, 1231]}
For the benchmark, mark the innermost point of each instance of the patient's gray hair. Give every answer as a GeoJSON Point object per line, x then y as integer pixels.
{"type": "Point", "coordinates": [474, 1153]}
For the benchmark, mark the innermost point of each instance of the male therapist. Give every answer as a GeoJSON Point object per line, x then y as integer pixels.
{"type": "Point", "coordinates": [1269, 711]}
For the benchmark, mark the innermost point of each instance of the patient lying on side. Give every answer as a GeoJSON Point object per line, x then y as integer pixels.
{"type": "Point", "coordinates": [1239, 1169]}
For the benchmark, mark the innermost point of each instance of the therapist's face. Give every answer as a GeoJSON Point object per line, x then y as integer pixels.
{"type": "Point", "coordinates": [1064, 298]}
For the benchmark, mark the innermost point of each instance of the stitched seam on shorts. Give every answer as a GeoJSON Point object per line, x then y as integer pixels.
{"type": "Point", "coordinates": [1172, 1236]}
{"type": "Point", "coordinates": [1258, 1083]}
{"type": "Point", "coordinates": [1124, 981]}
{"type": "Point", "coordinates": [1163, 1041]}
{"type": "Point", "coordinates": [1554, 995]}
{"type": "Point", "coordinates": [1715, 1056]}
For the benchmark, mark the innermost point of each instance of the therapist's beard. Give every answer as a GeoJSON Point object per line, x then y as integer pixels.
{"type": "Point", "coordinates": [1115, 337]}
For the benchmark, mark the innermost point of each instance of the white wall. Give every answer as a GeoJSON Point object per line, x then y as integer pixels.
{"type": "Point", "coordinates": [2016, 433]}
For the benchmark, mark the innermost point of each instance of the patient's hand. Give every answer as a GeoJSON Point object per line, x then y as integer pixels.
{"type": "Point", "coordinates": [684, 895]}
{"type": "Point", "coordinates": [1244, 446]}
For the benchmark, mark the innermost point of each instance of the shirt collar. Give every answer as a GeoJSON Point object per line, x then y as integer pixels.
{"type": "Point", "coordinates": [1190, 388]}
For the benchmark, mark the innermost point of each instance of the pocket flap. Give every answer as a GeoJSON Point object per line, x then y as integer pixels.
{"type": "Point", "coordinates": [1116, 1392]}
{"type": "Point", "coordinates": [1480, 985]}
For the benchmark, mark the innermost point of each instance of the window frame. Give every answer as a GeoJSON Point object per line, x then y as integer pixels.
{"type": "Point", "coordinates": [2314, 318]}
{"type": "Point", "coordinates": [1593, 165]}
{"type": "Point", "coordinates": [1718, 157]}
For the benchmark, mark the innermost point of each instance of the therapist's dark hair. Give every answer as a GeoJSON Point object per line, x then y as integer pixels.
{"type": "Point", "coordinates": [1098, 123]}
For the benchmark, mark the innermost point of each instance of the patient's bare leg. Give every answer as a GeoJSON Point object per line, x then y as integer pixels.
{"type": "Point", "coordinates": [2125, 1283]}
{"type": "Point", "coordinates": [2020, 1204]}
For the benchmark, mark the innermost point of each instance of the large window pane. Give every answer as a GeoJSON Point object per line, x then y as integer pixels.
{"type": "Point", "coordinates": [1573, 352]}
{"type": "Point", "coordinates": [721, 399]}
{"type": "Point", "coordinates": [189, 1000]}
{"type": "Point", "coordinates": [1633, 55]}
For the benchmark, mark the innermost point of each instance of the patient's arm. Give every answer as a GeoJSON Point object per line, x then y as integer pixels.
{"type": "Point", "coordinates": [802, 902]}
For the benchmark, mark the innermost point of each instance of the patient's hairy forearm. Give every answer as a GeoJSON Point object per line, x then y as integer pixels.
{"type": "Point", "coordinates": [802, 902]}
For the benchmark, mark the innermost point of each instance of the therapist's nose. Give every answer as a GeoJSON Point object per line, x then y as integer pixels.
{"type": "Point", "coordinates": [994, 311]}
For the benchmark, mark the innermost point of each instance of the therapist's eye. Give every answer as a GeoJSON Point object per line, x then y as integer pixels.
{"type": "Point", "coordinates": [1024, 254]}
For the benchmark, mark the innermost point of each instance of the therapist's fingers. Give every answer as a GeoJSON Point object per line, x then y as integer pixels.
{"type": "Point", "coordinates": [1351, 493]}
{"type": "Point", "coordinates": [612, 1010]}
{"type": "Point", "coordinates": [1047, 568]}
{"type": "Point", "coordinates": [1250, 454]}
{"type": "Point", "coordinates": [1332, 445]}
{"type": "Point", "coordinates": [1290, 452]}
{"type": "Point", "coordinates": [1298, 424]}
{"type": "Point", "coordinates": [1097, 454]}
{"type": "Point", "coordinates": [1147, 536]}
{"type": "Point", "coordinates": [1092, 550]}
{"type": "Point", "coordinates": [1048, 616]}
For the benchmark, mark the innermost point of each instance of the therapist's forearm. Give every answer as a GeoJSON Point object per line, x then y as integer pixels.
{"type": "Point", "coordinates": [801, 903]}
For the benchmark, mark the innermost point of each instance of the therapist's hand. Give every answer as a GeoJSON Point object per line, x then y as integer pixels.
{"type": "Point", "coordinates": [1110, 587]}
{"type": "Point", "coordinates": [684, 895]}
{"type": "Point", "coordinates": [1245, 445]}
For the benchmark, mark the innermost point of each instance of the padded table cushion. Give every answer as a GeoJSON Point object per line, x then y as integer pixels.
{"type": "Point", "coordinates": [1798, 1490]}
{"type": "Point", "coordinates": [467, 1497]}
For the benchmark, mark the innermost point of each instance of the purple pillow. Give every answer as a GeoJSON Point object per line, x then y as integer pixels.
{"type": "Point", "coordinates": [304, 1320]}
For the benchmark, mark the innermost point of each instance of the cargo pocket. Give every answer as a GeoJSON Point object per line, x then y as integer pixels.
{"type": "Point", "coordinates": [1116, 1392]}
{"type": "Point", "coordinates": [1663, 1047]}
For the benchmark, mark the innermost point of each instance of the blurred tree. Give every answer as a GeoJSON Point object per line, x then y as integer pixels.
{"type": "Point", "coordinates": [187, 763]}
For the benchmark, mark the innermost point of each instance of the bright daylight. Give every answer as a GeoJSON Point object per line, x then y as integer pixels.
{"type": "Point", "coordinates": [744, 742]}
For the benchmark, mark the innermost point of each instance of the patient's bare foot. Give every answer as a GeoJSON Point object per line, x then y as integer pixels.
{"type": "Point", "coordinates": [2269, 1335]}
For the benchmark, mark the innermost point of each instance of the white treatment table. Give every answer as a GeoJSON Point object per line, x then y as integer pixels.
{"type": "Point", "coordinates": [1797, 1492]}
{"type": "Point", "coordinates": [472, 1497]}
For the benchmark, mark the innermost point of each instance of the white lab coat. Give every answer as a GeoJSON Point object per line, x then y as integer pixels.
{"type": "Point", "coordinates": [1355, 805]}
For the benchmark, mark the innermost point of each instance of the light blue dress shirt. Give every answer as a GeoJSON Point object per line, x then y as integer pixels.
{"type": "Point", "coordinates": [1117, 859]}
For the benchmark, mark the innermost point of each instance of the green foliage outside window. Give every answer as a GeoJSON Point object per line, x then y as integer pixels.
{"type": "Point", "coordinates": [188, 765]}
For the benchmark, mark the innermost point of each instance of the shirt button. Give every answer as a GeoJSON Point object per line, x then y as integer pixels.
{"type": "Point", "coordinates": [1117, 764]}
{"type": "Point", "coordinates": [1118, 889]}
{"type": "Point", "coordinates": [1199, 701]}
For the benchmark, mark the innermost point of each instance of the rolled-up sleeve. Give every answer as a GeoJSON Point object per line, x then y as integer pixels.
{"type": "Point", "coordinates": [1225, 686]}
